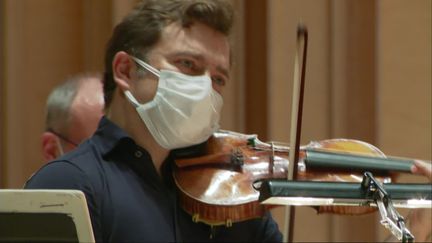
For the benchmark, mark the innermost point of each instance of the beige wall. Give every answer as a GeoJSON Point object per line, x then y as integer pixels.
{"type": "Point", "coordinates": [368, 77]}
{"type": "Point", "coordinates": [44, 42]}
{"type": "Point", "coordinates": [404, 117]}
{"type": "Point", "coordinates": [404, 74]}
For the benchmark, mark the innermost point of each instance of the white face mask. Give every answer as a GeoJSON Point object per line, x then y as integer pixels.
{"type": "Point", "coordinates": [185, 110]}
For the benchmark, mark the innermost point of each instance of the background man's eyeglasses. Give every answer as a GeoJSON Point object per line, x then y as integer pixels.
{"type": "Point", "coordinates": [62, 137]}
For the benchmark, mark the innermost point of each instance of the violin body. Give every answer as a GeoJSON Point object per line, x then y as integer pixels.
{"type": "Point", "coordinates": [217, 188]}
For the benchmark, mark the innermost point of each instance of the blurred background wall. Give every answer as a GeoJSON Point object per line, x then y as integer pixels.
{"type": "Point", "coordinates": [368, 77]}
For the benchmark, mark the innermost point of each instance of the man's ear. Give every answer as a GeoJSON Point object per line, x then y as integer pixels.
{"type": "Point", "coordinates": [122, 66]}
{"type": "Point", "coordinates": [50, 148]}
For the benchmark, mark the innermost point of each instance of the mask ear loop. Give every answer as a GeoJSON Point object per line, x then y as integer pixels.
{"type": "Point", "coordinates": [146, 66]}
{"type": "Point", "coordinates": [216, 97]}
{"type": "Point", "coordinates": [59, 146]}
{"type": "Point", "coordinates": [149, 68]}
{"type": "Point", "coordinates": [131, 98]}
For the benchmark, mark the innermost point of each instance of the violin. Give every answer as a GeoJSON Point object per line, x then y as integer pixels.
{"type": "Point", "coordinates": [218, 186]}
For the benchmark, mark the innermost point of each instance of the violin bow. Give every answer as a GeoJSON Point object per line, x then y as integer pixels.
{"type": "Point", "coordinates": [296, 122]}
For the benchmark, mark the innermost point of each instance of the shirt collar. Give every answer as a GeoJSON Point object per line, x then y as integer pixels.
{"type": "Point", "coordinates": [111, 138]}
{"type": "Point", "coordinates": [108, 136]}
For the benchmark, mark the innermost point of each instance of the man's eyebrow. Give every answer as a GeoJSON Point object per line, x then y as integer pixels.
{"type": "Point", "coordinates": [224, 71]}
{"type": "Point", "coordinates": [200, 57]}
{"type": "Point", "coordinates": [190, 54]}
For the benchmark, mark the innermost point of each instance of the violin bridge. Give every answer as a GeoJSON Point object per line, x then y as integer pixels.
{"type": "Point", "coordinates": [228, 223]}
{"type": "Point", "coordinates": [195, 217]}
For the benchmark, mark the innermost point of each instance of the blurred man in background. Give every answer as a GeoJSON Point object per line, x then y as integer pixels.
{"type": "Point", "coordinates": [73, 111]}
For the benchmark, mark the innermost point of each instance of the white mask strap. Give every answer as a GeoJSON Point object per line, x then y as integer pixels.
{"type": "Point", "coordinates": [146, 66]}
{"type": "Point", "coordinates": [59, 146]}
{"type": "Point", "coordinates": [131, 98]}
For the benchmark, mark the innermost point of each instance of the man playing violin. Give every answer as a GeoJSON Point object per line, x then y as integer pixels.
{"type": "Point", "coordinates": [166, 66]}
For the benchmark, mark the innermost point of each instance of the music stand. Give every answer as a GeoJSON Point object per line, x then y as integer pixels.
{"type": "Point", "coordinates": [44, 216]}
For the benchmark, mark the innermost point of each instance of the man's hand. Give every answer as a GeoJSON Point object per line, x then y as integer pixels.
{"type": "Point", "coordinates": [420, 220]}
{"type": "Point", "coordinates": [422, 168]}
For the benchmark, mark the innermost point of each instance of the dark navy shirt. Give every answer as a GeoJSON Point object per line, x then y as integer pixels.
{"type": "Point", "coordinates": [127, 199]}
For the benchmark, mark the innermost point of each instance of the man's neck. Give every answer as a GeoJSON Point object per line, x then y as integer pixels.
{"type": "Point", "coordinates": [125, 116]}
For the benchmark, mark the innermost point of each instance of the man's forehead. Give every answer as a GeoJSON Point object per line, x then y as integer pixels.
{"type": "Point", "coordinates": [198, 40]}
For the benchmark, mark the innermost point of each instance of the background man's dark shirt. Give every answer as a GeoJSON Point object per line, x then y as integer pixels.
{"type": "Point", "coordinates": [128, 200]}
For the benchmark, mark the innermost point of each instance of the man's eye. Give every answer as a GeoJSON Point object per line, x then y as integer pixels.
{"type": "Point", "coordinates": [219, 81]}
{"type": "Point", "coordinates": [187, 63]}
